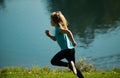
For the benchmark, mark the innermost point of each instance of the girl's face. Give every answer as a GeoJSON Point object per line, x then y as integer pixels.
{"type": "Point", "coordinates": [53, 23]}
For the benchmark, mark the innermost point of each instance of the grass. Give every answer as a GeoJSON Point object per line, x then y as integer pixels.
{"type": "Point", "coordinates": [46, 72]}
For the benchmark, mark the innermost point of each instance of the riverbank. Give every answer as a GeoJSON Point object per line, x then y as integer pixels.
{"type": "Point", "coordinates": [46, 72]}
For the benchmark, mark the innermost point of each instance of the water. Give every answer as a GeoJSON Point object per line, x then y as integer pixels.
{"type": "Point", "coordinates": [95, 25]}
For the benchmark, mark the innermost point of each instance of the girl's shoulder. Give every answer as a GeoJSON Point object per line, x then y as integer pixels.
{"type": "Point", "coordinates": [57, 29]}
{"type": "Point", "coordinates": [60, 30]}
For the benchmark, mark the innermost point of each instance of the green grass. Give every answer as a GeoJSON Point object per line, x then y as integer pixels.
{"type": "Point", "coordinates": [45, 72]}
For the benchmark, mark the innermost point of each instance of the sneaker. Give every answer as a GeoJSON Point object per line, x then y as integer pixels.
{"type": "Point", "coordinates": [72, 67]}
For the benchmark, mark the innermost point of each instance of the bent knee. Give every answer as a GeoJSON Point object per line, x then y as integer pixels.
{"type": "Point", "coordinates": [53, 62]}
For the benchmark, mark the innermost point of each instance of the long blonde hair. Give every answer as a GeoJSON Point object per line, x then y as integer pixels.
{"type": "Point", "coordinates": [58, 18]}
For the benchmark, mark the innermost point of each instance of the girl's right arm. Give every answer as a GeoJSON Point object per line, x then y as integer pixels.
{"type": "Point", "coordinates": [47, 32]}
{"type": "Point", "coordinates": [70, 35]}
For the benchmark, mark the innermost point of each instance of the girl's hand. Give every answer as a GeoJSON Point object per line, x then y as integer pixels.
{"type": "Point", "coordinates": [47, 32]}
{"type": "Point", "coordinates": [74, 43]}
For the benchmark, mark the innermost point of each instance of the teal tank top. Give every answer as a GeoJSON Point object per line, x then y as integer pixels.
{"type": "Point", "coordinates": [62, 39]}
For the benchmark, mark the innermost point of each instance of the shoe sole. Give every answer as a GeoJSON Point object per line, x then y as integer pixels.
{"type": "Point", "coordinates": [73, 67]}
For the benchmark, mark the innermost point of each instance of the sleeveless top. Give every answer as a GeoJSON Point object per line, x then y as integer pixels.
{"type": "Point", "coordinates": [62, 39]}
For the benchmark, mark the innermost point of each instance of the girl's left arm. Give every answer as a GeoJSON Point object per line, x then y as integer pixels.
{"type": "Point", "coordinates": [70, 35]}
{"type": "Point", "coordinates": [47, 32]}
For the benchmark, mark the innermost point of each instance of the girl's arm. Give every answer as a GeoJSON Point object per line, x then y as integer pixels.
{"type": "Point", "coordinates": [47, 32]}
{"type": "Point", "coordinates": [70, 35]}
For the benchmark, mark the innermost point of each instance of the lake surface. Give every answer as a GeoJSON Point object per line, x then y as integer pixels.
{"type": "Point", "coordinates": [94, 23]}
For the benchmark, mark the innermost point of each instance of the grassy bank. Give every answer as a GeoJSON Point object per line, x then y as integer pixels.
{"type": "Point", "coordinates": [45, 72]}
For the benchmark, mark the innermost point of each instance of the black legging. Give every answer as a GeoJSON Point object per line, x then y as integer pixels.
{"type": "Point", "coordinates": [69, 55]}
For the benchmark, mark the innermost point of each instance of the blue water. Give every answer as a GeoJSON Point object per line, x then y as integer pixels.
{"type": "Point", "coordinates": [24, 43]}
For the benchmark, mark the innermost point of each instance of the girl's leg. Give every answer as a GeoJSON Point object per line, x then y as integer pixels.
{"type": "Point", "coordinates": [79, 74]}
{"type": "Point", "coordinates": [71, 57]}
{"type": "Point", "coordinates": [56, 60]}
{"type": "Point", "coordinates": [71, 60]}
{"type": "Point", "coordinates": [69, 54]}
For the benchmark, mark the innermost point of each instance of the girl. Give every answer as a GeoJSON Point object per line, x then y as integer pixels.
{"type": "Point", "coordinates": [66, 42]}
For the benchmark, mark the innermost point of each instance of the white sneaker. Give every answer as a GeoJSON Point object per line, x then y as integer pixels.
{"type": "Point", "coordinates": [72, 67]}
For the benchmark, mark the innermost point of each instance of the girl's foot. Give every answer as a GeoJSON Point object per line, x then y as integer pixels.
{"type": "Point", "coordinates": [72, 67]}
